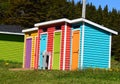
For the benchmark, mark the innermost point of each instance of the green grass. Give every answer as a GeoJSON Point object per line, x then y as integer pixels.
{"type": "Point", "coordinates": [90, 76]}
{"type": "Point", "coordinates": [5, 65]}
{"type": "Point", "coordinates": [115, 64]}
{"type": "Point", "coordinates": [59, 77]}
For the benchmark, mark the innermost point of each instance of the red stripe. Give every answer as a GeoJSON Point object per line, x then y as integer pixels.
{"type": "Point", "coordinates": [62, 47]}
{"type": "Point", "coordinates": [38, 48]}
{"type": "Point", "coordinates": [35, 63]}
{"type": "Point", "coordinates": [67, 58]}
{"type": "Point", "coordinates": [50, 31]}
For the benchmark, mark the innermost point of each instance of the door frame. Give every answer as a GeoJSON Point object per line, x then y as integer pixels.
{"type": "Point", "coordinates": [60, 47]}
{"type": "Point", "coordinates": [72, 46]}
{"type": "Point", "coordinates": [39, 47]}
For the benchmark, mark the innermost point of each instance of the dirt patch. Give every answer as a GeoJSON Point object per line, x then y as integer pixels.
{"type": "Point", "coordinates": [20, 69]}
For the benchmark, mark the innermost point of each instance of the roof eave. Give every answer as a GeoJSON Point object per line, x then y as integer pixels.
{"type": "Point", "coordinates": [29, 30]}
{"type": "Point", "coordinates": [71, 22]}
{"type": "Point", "coordinates": [102, 27]}
{"type": "Point", "coordinates": [12, 33]}
{"type": "Point", "coordinates": [52, 22]}
{"type": "Point", "coordinates": [94, 24]}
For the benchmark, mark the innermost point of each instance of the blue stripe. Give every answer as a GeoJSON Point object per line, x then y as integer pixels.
{"type": "Point", "coordinates": [43, 45]}
{"type": "Point", "coordinates": [96, 48]}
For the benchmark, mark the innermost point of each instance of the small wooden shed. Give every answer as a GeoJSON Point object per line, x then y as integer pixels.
{"type": "Point", "coordinates": [30, 48]}
{"type": "Point", "coordinates": [72, 44]}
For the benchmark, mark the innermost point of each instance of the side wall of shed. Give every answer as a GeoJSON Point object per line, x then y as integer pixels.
{"type": "Point", "coordinates": [96, 47]}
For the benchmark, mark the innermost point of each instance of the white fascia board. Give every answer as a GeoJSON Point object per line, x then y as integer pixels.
{"type": "Point", "coordinates": [11, 33]}
{"type": "Point", "coordinates": [94, 24]}
{"type": "Point", "coordinates": [82, 46]}
{"type": "Point", "coordinates": [30, 29]}
{"type": "Point", "coordinates": [110, 45]}
{"type": "Point", "coordinates": [101, 27]}
{"type": "Point", "coordinates": [76, 20]}
{"type": "Point", "coordinates": [52, 22]}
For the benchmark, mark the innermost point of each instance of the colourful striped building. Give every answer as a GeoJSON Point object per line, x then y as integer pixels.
{"type": "Point", "coordinates": [70, 44]}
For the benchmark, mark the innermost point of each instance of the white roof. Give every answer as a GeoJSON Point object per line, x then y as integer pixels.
{"type": "Point", "coordinates": [94, 24]}
{"type": "Point", "coordinates": [30, 29]}
{"type": "Point", "coordinates": [1, 32]}
{"type": "Point", "coordinates": [52, 22]}
{"type": "Point", "coordinates": [71, 22]}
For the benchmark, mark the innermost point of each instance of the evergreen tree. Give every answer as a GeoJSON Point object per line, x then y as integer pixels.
{"type": "Point", "coordinates": [105, 16]}
{"type": "Point", "coordinates": [91, 13]}
{"type": "Point", "coordinates": [99, 15]}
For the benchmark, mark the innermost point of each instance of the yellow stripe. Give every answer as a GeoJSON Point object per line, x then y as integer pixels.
{"type": "Point", "coordinates": [33, 36]}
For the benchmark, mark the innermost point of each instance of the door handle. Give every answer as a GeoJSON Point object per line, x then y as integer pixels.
{"type": "Point", "coordinates": [75, 52]}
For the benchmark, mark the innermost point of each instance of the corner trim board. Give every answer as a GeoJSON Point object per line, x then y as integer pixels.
{"type": "Point", "coordinates": [110, 42]}
{"type": "Point", "coordinates": [82, 47]}
{"type": "Point", "coordinates": [65, 38]}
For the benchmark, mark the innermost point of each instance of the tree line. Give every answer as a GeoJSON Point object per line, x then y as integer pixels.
{"type": "Point", "coordinates": [28, 12]}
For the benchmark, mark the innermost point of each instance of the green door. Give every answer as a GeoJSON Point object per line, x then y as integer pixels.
{"type": "Point", "coordinates": [56, 52]}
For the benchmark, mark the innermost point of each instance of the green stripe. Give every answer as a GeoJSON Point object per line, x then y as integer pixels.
{"type": "Point", "coordinates": [56, 58]}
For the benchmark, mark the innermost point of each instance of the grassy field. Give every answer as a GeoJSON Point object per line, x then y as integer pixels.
{"type": "Point", "coordinates": [5, 65]}
{"type": "Point", "coordinates": [60, 77]}
{"type": "Point", "coordinates": [90, 76]}
{"type": "Point", "coordinates": [11, 47]}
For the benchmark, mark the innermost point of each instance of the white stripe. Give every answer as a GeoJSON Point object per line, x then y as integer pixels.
{"type": "Point", "coordinates": [24, 51]}
{"type": "Point", "coordinates": [110, 50]}
{"type": "Point", "coordinates": [71, 49]}
{"type": "Point", "coordinates": [64, 46]}
{"type": "Point", "coordinates": [52, 22]}
{"type": "Point", "coordinates": [11, 33]}
{"type": "Point", "coordinates": [82, 49]}
{"type": "Point", "coordinates": [30, 29]}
